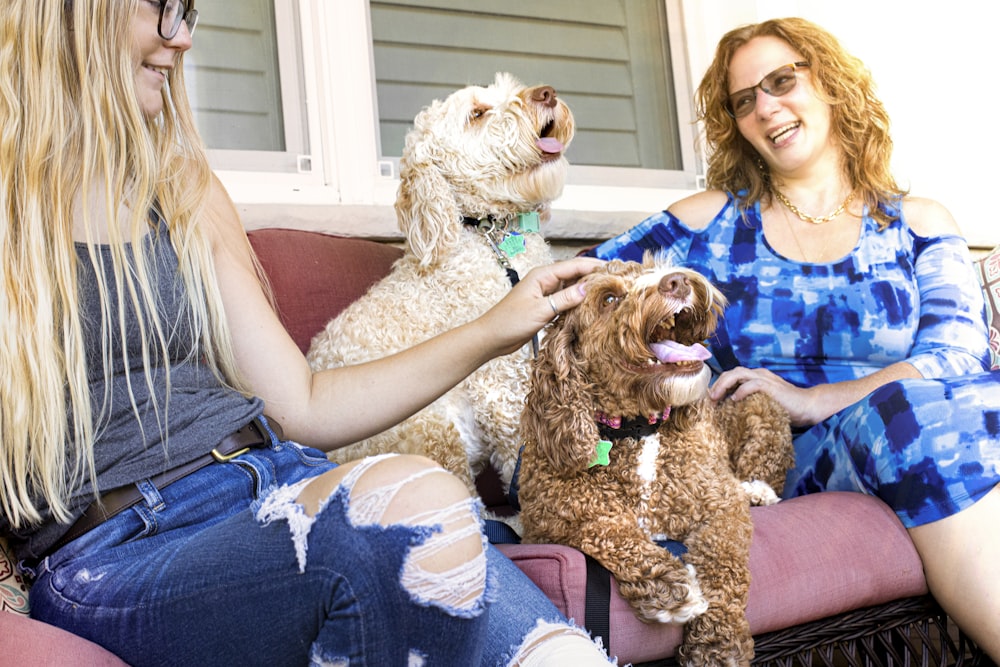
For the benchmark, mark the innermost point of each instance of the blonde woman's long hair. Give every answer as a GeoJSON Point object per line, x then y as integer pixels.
{"type": "Point", "coordinates": [859, 120]}
{"type": "Point", "coordinates": [72, 132]}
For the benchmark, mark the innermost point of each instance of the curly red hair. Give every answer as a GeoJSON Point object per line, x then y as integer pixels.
{"type": "Point", "coordinates": [860, 122]}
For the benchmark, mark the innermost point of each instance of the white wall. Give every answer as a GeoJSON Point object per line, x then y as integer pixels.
{"type": "Point", "coordinates": [935, 65]}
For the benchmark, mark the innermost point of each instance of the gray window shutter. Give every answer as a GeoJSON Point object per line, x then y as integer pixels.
{"type": "Point", "coordinates": [609, 59]}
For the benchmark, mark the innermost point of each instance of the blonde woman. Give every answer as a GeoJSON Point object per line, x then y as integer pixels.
{"type": "Point", "coordinates": [137, 342]}
{"type": "Point", "coordinates": [852, 303]}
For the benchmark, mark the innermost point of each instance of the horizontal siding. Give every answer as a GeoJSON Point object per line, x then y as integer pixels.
{"type": "Point", "coordinates": [426, 49]}
{"type": "Point", "coordinates": [528, 35]}
{"type": "Point", "coordinates": [232, 76]}
{"type": "Point", "coordinates": [450, 69]}
{"type": "Point", "coordinates": [600, 12]}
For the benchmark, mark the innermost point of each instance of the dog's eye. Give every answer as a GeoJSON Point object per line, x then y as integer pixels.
{"type": "Point", "coordinates": [610, 300]}
{"type": "Point", "coordinates": [478, 112]}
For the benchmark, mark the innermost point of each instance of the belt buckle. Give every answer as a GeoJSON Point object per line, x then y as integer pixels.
{"type": "Point", "coordinates": [261, 432]}
{"type": "Point", "coordinates": [222, 458]}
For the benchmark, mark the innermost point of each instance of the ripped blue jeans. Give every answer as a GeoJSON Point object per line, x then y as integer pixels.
{"type": "Point", "coordinates": [223, 567]}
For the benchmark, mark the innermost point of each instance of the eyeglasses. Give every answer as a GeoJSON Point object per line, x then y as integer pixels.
{"type": "Point", "coordinates": [172, 12]}
{"type": "Point", "coordinates": [779, 82]}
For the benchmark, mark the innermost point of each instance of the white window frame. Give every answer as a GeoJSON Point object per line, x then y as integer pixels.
{"type": "Point", "coordinates": [342, 187]}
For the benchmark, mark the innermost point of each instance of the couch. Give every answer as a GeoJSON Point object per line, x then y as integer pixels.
{"type": "Point", "coordinates": [833, 574]}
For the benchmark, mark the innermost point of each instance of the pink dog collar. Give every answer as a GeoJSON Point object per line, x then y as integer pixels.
{"type": "Point", "coordinates": [616, 428]}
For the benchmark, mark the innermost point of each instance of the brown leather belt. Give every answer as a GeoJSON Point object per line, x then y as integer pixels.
{"type": "Point", "coordinates": [118, 500]}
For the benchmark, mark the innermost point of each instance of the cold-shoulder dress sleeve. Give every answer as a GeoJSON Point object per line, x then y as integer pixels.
{"type": "Point", "coordinates": [659, 233]}
{"type": "Point", "coordinates": [951, 337]}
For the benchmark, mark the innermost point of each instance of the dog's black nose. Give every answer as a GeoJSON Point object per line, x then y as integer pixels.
{"type": "Point", "coordinates": [675, 285]}
{"type": "Point", "coordinates": [545, 95]}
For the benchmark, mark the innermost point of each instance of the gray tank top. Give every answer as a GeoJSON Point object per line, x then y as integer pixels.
{"type": "Point", "coordinates": [130, 447]}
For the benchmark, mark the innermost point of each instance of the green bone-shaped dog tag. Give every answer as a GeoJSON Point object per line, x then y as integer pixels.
{"type": "Point", "coordinates": [601, 458]}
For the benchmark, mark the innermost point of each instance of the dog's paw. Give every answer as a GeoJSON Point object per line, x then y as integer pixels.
{"type": "Point", "coordinates": [691, 605]}
{"type": "Point", "coordinates": [716, 658]}
{"type": "Point", "coordinates": [716, 643]}
{"type": "Point", "coordinates": [760, 492]}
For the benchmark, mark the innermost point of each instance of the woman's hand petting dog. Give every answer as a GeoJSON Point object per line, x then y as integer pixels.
{"type": "Point", "coordinates": [536, 300]}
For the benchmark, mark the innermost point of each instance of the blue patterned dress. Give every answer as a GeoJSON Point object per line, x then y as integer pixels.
{"type": "Point", "coordinates": [928, 447]}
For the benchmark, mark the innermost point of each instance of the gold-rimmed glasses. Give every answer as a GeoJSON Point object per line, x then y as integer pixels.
{"type": "Point", "coordinates": [779, 82]}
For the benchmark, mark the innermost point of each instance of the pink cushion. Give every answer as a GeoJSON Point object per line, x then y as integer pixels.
{"type": "Point", "coordinates": [811, 557]}
{"type": "Point", "coordinates": [29, 643]}
{"type": "Point", "coordinates": [314, 276]}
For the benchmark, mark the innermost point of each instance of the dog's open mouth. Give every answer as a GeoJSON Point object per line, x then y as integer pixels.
{"type": "Point", "coordinates": [665, 350]}
{"type": "Point", "coordinates": [672, 352]}
{"type": "Point", "coordinates": [551, 147]}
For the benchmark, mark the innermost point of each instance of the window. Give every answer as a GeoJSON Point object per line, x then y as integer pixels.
{"type": "Point", "coordinates": [304, 103]}
{"type": "Point", "coordinates": [244, 88]}
{"type": "Point", "coordinates": [610, 61]}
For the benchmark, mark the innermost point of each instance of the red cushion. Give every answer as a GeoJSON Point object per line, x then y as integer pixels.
{"type": "Point", "coordinates": [314, 276]}
{"type": "Point", "coordinates": [29, 643]}
{"type": "Point", "coordinates": [811, 557]}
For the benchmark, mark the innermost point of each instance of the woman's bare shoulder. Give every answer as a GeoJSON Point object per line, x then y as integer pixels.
{"type": "Point", "coordinates": [928, 218]}
{"type": "Point", "coordinates": [699, 209]}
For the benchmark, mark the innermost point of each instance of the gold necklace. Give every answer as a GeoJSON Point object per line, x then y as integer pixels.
{"type": "Point", "coordinates": [816, 220]}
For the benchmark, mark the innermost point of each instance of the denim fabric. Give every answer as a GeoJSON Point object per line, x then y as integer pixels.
{"type": "Point", "coordinates": [191, 576]}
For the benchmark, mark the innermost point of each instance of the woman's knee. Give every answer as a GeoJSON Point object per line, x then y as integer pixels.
{"type": "Point", "coordinates": [408, 476]}
{"type": "Point", "coordinates": [447, 566]}
{"type": "Point", "coordinates": [403, 487]}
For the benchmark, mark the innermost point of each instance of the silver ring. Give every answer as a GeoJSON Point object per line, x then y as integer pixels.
{"type": "Point", "coordinates": [552, 305]}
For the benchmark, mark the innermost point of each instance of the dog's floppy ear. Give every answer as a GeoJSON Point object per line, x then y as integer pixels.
{"type": "Point", "coordinates": [425, 205]}
{"type": "Point", "coordinates": [559, 417]}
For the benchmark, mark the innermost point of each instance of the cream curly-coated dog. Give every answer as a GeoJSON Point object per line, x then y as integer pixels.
{"type": "Point", "coordinates": [624, 449]}
{"type": "Point", "coordinates": [478, 173]}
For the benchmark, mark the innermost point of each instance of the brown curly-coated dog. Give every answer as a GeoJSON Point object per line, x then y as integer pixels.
{"type": "Point", "coordinates": [626, 368]}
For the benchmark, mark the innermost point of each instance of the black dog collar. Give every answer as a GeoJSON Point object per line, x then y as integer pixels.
{"type": "Point", "coordinates": [616, 428]}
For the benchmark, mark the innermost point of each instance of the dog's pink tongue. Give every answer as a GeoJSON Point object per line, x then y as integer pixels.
{"type": "Point", "coordinates": [549, 145]}
{"type": "Point", "coordinates": [671, 352]}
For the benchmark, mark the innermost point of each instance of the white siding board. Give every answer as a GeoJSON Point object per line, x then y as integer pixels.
{"type": "Point", "coordinates": [603, 12]}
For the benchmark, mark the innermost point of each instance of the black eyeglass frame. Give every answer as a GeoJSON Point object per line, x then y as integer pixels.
{"type": "Point", "coordinates": [802, 64]}
{"type": "Point", "coordinates": [184, 15]}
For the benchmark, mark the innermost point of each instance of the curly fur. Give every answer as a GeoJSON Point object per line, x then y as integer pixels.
{"type": "Point", "coordinates": [693, 480]}
{"type": "Point", "coordinates": [477, 154]}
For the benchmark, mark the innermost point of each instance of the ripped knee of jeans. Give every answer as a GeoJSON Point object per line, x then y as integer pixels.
{"type": "Point", "coordinates": [446, 564]}
{"type": "Point", "coordinates": [559, 644]}
{"type": "Point", "coordinates": [448, 569]}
